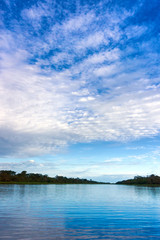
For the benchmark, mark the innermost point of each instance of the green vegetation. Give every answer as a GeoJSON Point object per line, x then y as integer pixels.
{"type": "Point", "coordinates": [36, 178]}
{"type": "Point", "coordinates": [138, 180]}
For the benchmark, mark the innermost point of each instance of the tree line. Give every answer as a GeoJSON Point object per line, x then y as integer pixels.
{"type": "Point", "coordinates": [139, 180]}
{"type": "Point", "coordinates": [8, 176]}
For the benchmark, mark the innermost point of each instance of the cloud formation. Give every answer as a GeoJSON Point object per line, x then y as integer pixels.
{"type": "Point", "coordinates": [76, 76]}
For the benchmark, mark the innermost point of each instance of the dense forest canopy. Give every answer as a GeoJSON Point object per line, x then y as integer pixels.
{"type": "Point", "coordinates": [148, 180]}
{"type": "Point", "coordinates": [8, 176]}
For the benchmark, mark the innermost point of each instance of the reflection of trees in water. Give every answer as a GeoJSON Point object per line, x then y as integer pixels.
{"type": "Point", "coordinates": [146, 191]}
{"type": "Point", "coordinates": [12, 190]}
{"type": "Point", "coordinates": [6, 190]}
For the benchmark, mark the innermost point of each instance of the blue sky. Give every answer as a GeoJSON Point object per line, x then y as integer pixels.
{"type": "Point", "coordinates": [80, 88]}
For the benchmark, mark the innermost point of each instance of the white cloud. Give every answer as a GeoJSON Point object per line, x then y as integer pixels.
{"type": "Point", "coordinates": [113, 160]}
{"type": "Point", "coordinates": [31, 161]}
{"type": "Point", "coordinates": [85, 99]}
{"type": "Point", "coordinates": [106, 70]}
{"type": "Point", "coordinates": [135, 31]}
{"type": "Point", "coordinates": [92, 41]}
{"type": "Point", "coordinates": [111, 55]}
{"type": "Point", "coordinates": [36, 12]}
{"type": "Point", "coordinates": [79, 22]}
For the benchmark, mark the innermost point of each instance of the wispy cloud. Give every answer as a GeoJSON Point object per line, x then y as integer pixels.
{"type": "Point", "coordinates": [30, 164]}
{"type": "Point", "coordinates": [113, 160]}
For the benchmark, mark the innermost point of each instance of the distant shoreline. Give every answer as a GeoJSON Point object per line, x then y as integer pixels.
{"type": "Point", "coordinates": [11, 177]}
{"type": "Point", "coordinates": [151, 180]}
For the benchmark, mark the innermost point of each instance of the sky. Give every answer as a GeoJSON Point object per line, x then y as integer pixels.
{"type": "Point", "coordinates": [80, 87]}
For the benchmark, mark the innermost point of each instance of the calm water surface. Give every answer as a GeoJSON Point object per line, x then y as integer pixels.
{"type": "Point", "coordinates": [79, 212]}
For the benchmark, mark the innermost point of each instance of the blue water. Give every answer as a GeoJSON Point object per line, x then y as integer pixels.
{"type": "Point", "coordinates": [79, 212]}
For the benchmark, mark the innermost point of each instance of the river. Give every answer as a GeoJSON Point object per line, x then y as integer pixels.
{"type": "Point", "coordinates": [35, 212]}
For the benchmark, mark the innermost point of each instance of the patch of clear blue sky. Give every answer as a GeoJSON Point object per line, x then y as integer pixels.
{"type": "Point", "coordinates": [99, 151]}
{"type": "Point", "coordinates": [121, 160]}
